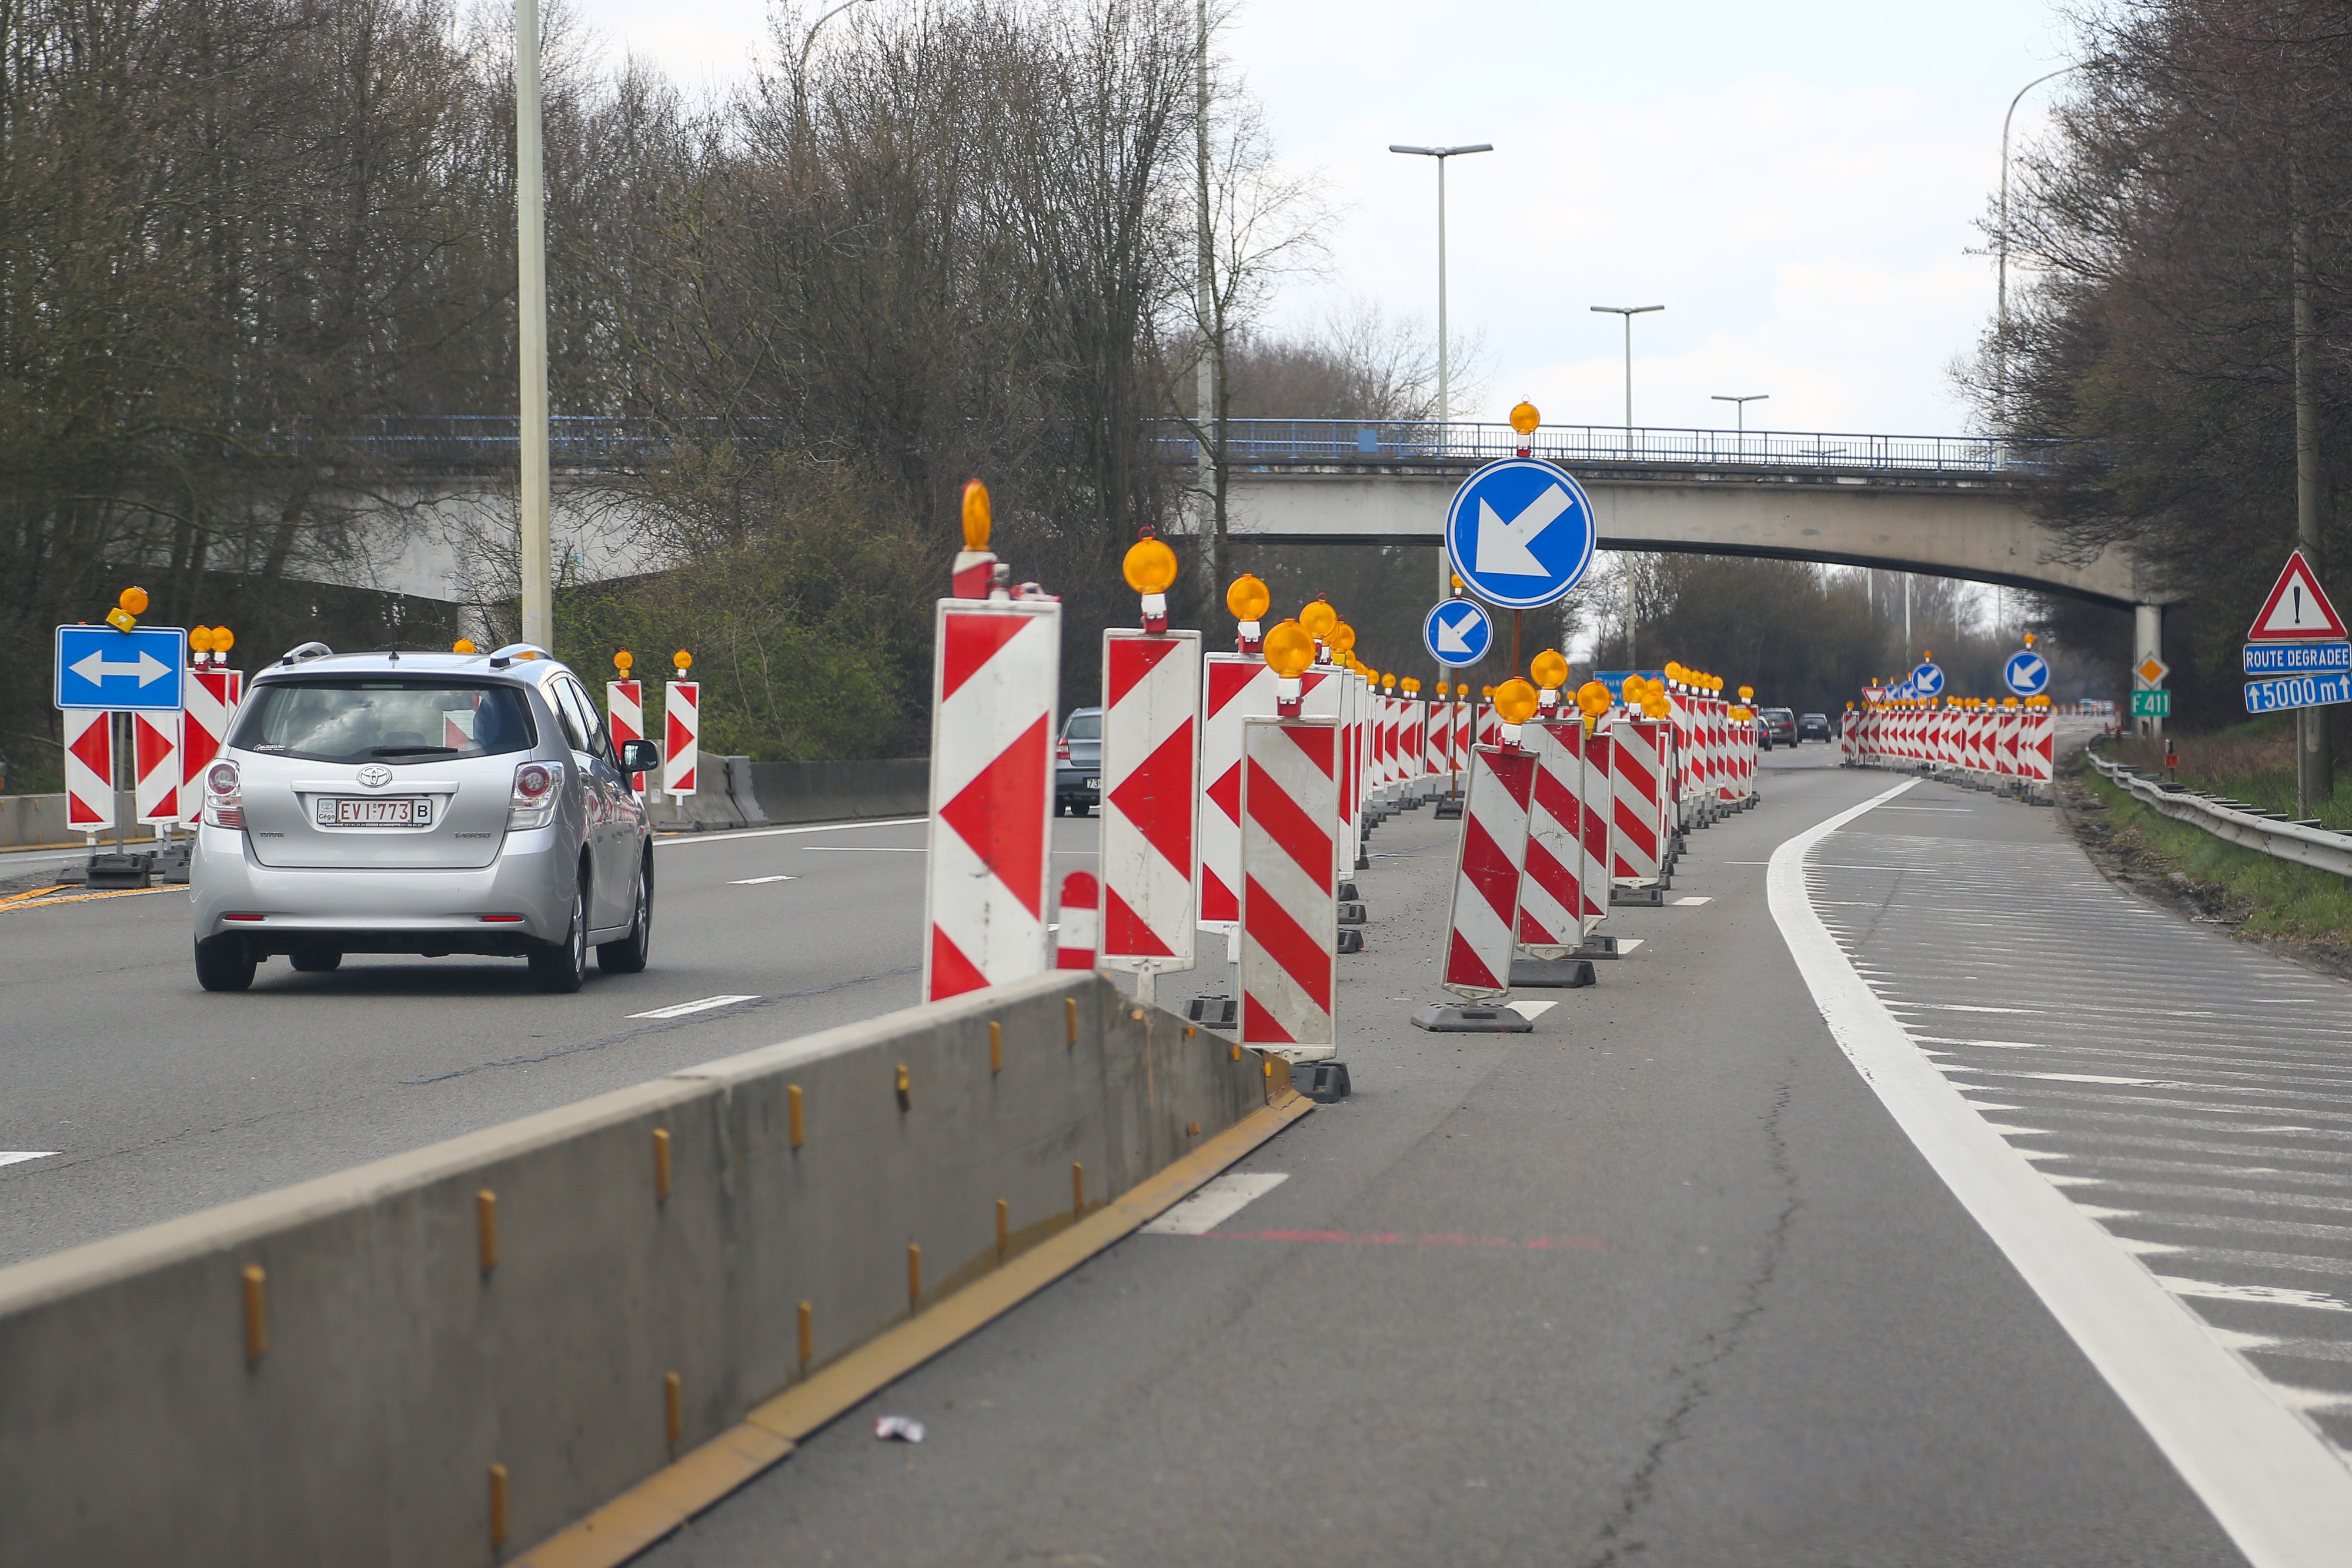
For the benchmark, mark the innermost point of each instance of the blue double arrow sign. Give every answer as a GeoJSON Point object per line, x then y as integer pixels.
{"type": "Point", "coordinates": [138, 671]}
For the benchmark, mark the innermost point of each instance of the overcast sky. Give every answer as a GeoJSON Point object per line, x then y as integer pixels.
{"type": "Point", "coordinates": [1797, 185]}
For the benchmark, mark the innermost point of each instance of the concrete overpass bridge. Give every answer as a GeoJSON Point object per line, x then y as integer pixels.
{"type": "Point", "coordinates": [1936, 506]}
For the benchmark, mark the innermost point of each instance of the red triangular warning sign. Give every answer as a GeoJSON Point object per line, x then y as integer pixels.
{"type": "Point", "coordinates": [2297, 610]}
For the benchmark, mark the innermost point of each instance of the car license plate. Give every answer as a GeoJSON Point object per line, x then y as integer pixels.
{"type": "Point", "coordinates": [1093, 783]}
{"type": "Point", "coordinates": [398, 812]}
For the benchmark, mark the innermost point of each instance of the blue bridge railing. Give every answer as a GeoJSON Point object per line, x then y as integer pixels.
{"type": "Point", "coordinates": [620, 441]}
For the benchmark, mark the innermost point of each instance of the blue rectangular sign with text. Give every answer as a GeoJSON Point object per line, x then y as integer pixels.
{"type": "Point", "coordinates": [2297, 691]}
{"type": "Point", "coordinates": [2298, 658]}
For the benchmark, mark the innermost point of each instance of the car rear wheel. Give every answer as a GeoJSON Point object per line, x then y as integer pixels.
{"type": "Point", "coordinates": [627, 957]}
{"type": "Point", "coordinates": [224, 963]}
{"type": "Point", "coordinates": [562, 966]}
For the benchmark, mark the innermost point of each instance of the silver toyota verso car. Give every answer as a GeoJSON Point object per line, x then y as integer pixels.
{"type": "Point", "coordinates": [424, 804]}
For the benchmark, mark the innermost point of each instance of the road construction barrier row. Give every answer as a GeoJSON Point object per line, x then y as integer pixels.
{"type": "Point", "coordinates": [2003, 748]}
{"type": "Point", "coordinates": [454, 1355]}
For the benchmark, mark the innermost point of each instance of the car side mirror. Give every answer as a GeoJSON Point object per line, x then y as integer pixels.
{"type": "Point", "coordinates": [639, 757]}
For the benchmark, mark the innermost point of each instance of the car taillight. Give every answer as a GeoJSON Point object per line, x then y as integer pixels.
{"type": "Point", "coordinates": [224, 796]}
{"type": "Point", "coordinates": [533, 802]}
{"type": "Point", "coordinates": [1061, 751]}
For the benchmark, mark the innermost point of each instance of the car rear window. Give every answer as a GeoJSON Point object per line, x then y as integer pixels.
{"type": "Point", "coordinates": [1084, 726]}
{"type": "Point", "coordinates": [378, 719]}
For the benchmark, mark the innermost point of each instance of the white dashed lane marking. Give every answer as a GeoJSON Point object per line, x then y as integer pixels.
{"type": "Point", "coordinates": [700, 1005]}
{"type": "Point", "coordinates": [18, 1156]}
{"type": "Point", "coordinates": [1218, 1200]}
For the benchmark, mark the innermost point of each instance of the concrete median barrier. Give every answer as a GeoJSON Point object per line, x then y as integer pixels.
{"type": "Point", "coordinates": [448, 1356]}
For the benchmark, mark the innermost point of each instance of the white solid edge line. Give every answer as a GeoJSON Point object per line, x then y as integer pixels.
{"type": "Point", "coordinates": [2268, 1476]}
{"type": "Point", "coordinates": [661, 841]}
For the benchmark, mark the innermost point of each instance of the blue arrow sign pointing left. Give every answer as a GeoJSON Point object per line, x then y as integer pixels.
{"type": "Point", "coordinates": [2027, 673]}
{"type": "Point", "coordinates": [1458, 632]}
{"type": "Point", "coordinates": [138, 671]}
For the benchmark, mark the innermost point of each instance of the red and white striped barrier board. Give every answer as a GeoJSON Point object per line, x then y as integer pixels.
{"type": "Point", "coordinates": [1634, 788]}
{"type": "Point", "coordinates": [624, 716]}
{"type": "Point", "coordinates": [995, 677]}
{"type": "Point", "coordinates": [2037, 743]}
{"type": "Point", "coordinates": [204, 729]}
{"type": "Point", "coordinates": [89, 769]}
{"type": "Point", "coordinates": [1437, 731]}
{"type": "Point", "coordinates": [1080, 930]}
{"type": "Point", "coordinates": [1150, 796]}
{"type": "Point", "coordinates": [2005, 758]}
{"type": "Point", "coordinates": [1482, 925]}
{"type": "Point", "coordinates": [1290, 909]}
{"type": "Point", "coordinates": [1598, 797]}
{"type": "Point", "coordinates": [1327, 692]}
{"type": "Point", "coordinates": [1551, 891]}
{"type": "Point", "coordinates": [682, 723]}
{"type": "Point", "coordinates": [1239, 686]}
{"type": "Point", "coordinates": [1466, 725]}
{"type": "Point", "coordinates": [155, 766]}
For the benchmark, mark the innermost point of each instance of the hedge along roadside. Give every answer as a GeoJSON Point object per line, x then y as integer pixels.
{"type": "Point", "coordinates": [405, 1347]}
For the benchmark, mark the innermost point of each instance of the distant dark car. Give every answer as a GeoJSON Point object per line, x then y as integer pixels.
{"type": "Point", "coordinates": [1077, 764]}
{"type": "Point", "coordinates": [1780, 727]}
{"type": "Point", "coordinates": [1813, 726]}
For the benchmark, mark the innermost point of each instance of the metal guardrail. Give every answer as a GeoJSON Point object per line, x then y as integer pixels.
{"type": "Point", "coordinates": [1288, 441]}
{"type": "Point", "coordinates": [2270, 833]}
{"type": "Point", "coordinates": [621, 441]}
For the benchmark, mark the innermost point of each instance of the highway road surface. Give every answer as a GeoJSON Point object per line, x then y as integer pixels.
{"type": "Point", "coordinates": [1910, 1196]}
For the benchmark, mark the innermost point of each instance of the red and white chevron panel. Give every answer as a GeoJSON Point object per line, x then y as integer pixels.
{"type": "Point", "coordinates": [624, 716]}
{"type": "Point", "coordinates": [995, 678]}
{"type": "Point", "coordinates": [2037, 742]}
{"type": "Point", "coordinates": [1150, 796]}
{"type": "Point", "coordinates": [1290, 911]}
{"type": "Point", "coordinates": [2005, 759]}
{"type": "Point", "coordinates": [89, 769]}
{"type": "Point", "coordinates": [1633, 789]}
{"type": "Point", "coordinates": [1326, 692]}
{"type": "Point", "coordinates": [1482, 925]}
{"type": "Point", "coordinates": [1551, 890]}
{"type": "Point", "coordinates": [203, 727]}
{"type": "Point", "coordinates": [1080, 933]}
{"type": "Point", "coordinates": [1437, 731]}
{"type": "Point", "coordinates": [1238, 686]}
{"type": "Point", "coordinates": [682, 724]}
{"type": "Point", "coordinates": [155, 766]}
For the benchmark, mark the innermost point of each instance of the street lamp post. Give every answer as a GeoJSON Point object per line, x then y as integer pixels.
{"type": "Point", "coordinates": [1444, 410]}
{"type": "Point", "coordinates": [1742, 403]}
{"type": "Point", "coordinates": [2000, 249]}
{"type": "Point", "coordinates": [530, 333]}
{"type": "Point", "coordinates": [1628, 312]}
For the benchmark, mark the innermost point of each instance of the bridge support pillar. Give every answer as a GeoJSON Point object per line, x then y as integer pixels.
{"type": "Point", "coordinates": [2147, 643]}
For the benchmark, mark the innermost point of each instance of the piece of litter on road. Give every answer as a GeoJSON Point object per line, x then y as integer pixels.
{"type": "Point", "coordinates": [898, 1428]}
{"type": "Point", "coordinates": [1531, 1010]}
{"type": "Point", "coordinates": [1217, 1201]}
{"type": "Point", "coordinates": [1691, 903]}
{"type": "Point", "coordinates": [759, 880]}
{"type": "Point", "coordinates": [18, 1156]}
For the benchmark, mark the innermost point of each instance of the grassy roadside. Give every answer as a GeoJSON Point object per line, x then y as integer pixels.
{"type": "Point", "coordinates": [2253, 762]}
{"type": "Point", "coordinates": [2291, 906]}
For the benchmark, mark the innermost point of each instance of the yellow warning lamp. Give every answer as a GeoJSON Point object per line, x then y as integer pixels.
{"type": "Point", "coordinates": [1247, 598]}
{"type": "Point", "coordinates": [1444, 689]}
{"type": "Point", "coordinates": [1342, 639]}
{"type": "Point", "coordinates": [1319, 619]}
{"type": "Point", "coordinates": [1457, 581]}
{"type": "Point", "coordinates": [1388, 685]}
{"type": "Point", "coordinates": [1515, 704]}
{"type": "Point", "coordinates": [1524, 418]}
{"type": "Point", "coordinates": [1592, 699]}
{"type": "Point", "coordinates": [223, 639]}
{"type": "Point", "coordinates": [1150, 567]}
{"type": "Point", "coordinates": [622, 661]}
{"type": "Point", "coordinates": [128, 608]}
{"type": "Point", "coordinates": [200, 639]}
{"type": "Point", "coordinates": [2028, 639]}
{"type": "Point", "coordinates": [1412, 686]}
{"type": "Point", "coordinates": [978, 523]}
{"type": "Point", "coordinates": [1289, 649]}
{"type": "Point", "coordinates": [462, 645]}
{"type": "Point", "coordinates": [1487, 693]}
{"type": "Point", "coordinates": [685, 661]}
{"type": "Point", "coordinates": [1748, 693]}
{"type": "Point", "coordinates": [1549, 667]}
{"type": "Point", "coordinates": [1654, 706]}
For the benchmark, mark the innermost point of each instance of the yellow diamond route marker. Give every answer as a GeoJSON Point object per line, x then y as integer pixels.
{"type": "Point", "coordinates": [2152, 670]}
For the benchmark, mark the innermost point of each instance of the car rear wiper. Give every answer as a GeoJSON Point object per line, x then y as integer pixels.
{"type": "Point", "coordinates": [412, 751]}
